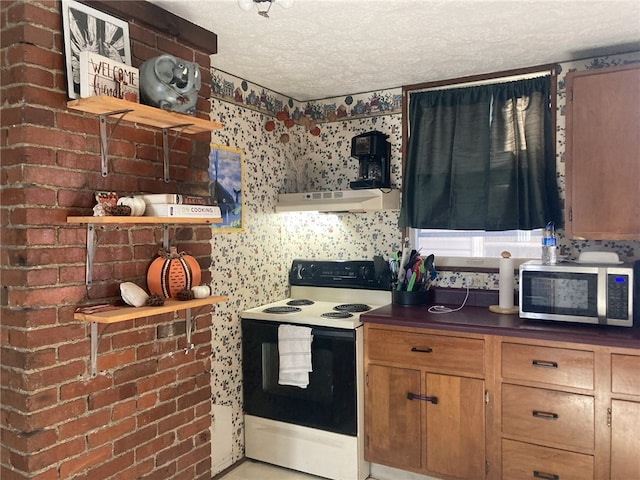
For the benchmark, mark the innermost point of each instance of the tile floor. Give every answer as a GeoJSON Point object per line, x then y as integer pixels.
{"type": "Point", "coordinates": [252, 470]}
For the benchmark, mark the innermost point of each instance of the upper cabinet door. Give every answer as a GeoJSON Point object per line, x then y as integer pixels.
{"type": "Point", "coordinates": [603, 154]}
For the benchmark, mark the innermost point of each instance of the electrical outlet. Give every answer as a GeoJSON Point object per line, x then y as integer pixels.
{"type": "Point", "coordinates": [468, 282]}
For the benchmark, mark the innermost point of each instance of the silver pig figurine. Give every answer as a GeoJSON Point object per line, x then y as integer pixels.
{"type": "Point", "coordinates": [170, 83]}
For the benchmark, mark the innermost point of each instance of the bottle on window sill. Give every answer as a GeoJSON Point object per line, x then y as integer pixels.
{"type": "Point", "coordinates": [549, 245]}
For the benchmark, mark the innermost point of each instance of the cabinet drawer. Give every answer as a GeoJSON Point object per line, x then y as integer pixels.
{"type": "Point", "coordinates": [625, 374]}
{"type": "Point", "coordinates": [556, 366]}
{"type": "Point", "coordinates": [522, 460]}
{"type": "Point", "coordinates": [440, 352]}
{"type": "Point", "coordinates": [559, 418]}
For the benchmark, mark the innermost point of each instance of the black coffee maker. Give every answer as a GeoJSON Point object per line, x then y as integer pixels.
{"type": "Point", "coordinates": [374, 154]}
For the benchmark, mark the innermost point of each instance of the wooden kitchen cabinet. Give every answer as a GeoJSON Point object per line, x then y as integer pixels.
{"type": "Point", "coordinates": [425, 402]}
{"type": "Point", "coordinates": [625, 417]}
{"type": "Point", "coordinates": [602, 155]}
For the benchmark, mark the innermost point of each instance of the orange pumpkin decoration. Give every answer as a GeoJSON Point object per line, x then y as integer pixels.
{"type": "Point", "coordinates": [172, 272]}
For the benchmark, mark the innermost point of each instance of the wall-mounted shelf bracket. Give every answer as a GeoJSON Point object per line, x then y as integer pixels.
{"type": "Point", "coordinates": [91, 249]}
{"type": "Point", "coordinates": [105, 139]}
{"type": "Point", "coordinates": [167, 148]}
{"type": "Point", "coordinates": [94, 349]}
{"type": "Point", "coordinates": [188, 326]}
{"type": "Point", "coordinates": [165, 237]}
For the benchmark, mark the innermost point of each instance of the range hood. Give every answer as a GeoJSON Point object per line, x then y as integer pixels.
{"type": "Point", "coordinates": [340, 201]}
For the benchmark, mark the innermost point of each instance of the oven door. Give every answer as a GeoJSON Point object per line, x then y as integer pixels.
{"type": "Point", "coordinates": [329, 401]}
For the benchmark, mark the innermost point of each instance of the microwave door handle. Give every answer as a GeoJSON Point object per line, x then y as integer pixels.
{"type": "Point", "coordinates": [602, 296]}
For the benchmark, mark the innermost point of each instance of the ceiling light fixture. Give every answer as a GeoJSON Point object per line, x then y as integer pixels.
{"type": "Point", "coordinates": [261, 4]}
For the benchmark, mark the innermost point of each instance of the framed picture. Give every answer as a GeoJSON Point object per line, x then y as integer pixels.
{"type": "Point", "coordinates": [87, 29]}
{"type": "Point", "coordinates": [226, 173]}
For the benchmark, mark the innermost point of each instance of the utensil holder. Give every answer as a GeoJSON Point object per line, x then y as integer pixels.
{"type": "Point", "coordinates": [414, 298]}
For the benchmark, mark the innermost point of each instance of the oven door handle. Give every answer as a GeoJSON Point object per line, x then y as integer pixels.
{"type": "Point", "coordinates": [338, 333]}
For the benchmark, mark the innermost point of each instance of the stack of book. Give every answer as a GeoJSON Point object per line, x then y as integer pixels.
{"type": "Point", "coordinates": [178, 205]}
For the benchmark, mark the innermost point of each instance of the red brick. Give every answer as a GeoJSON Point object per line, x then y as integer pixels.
{"type": "Point", "coordinates": [170, 454]}
{"type": "Point", "coordinates": [176, 420]}
{"type": "Point", "coordinates": [85, 424]}
{"type": "Point", "coordinates": [139, 470]}
{"type": "Point", "coordinates": [46, 418]}
{"type": "Point", "coordinates": [193, 457]}
{"type": "Point", "coordinates": [176, 390]}
{"type": "Point", "coordinates": [160, 442]}
{"type": "Point", "coordinates": [82, 462]}
{"type": "Point", "coordinates": [25, 402]}
{"type": "Point", "coordinates": [155, 381]}
{"type": "Point", "coordinates": [28, 360]}
{"type": "Point", "coordinates": [147, 400]}
{"type": "Point", "coordinates": [111, 432]}
{"type": "Point", "coordinates": [84, 387]}
{"type": "Point", "coordinates": [54, 455]}
{"type": "Point", "coordinates": [111, 467]}
{"type": "Point", "coordinates": [140, 436]}
{"type": "Point", "coordinates": [192, 399]}
{"type": "Point", "coordinates": [156, 413]}
{"type": "Point", "coordinates": [41, 337]}
{"type": "Point", "coordinates": [194, 428]}
{"type": "Point", "coordinates": [29, 317]}
{"type": "Point", "coordinates": [29, 442]}
{"type": "Point", "coordinates": [108, 361]}
{"type": "Point", "coordinates": [113, 395]}
{"type": "Point", "coordinates": [135, 337]}
{"type": "Point", "coordinates": [123, 410]}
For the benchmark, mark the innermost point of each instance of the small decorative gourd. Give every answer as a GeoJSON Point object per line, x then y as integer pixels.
{"type": "Point", "coordinates": [172, 272]}
{"type": "Point", "coordinates": [136, 204]}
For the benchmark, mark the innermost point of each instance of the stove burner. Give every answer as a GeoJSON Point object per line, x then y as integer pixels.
{"type": "Point", "coordinates": [300, 302]}
{"type": "Point", "coordinates": [352, 307]}
{"type": "Point", "coordinates": [342, 314]}
{"type": "Point", "coordinates": [282, 309]}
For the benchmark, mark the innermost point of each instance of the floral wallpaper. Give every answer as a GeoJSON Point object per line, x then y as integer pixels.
{"type": "Point", "coordinates": [251, 267]}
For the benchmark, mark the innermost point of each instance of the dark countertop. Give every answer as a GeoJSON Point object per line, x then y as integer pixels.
{"type": "Point", "coordinates": [478, 319]}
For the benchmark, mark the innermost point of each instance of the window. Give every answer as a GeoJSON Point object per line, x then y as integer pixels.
{"type": "Point", "coordinates": [480, 157]}
{"type": "Point", "coordinates": [465, 248]}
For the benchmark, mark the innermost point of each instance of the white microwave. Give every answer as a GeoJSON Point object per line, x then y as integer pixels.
{"type": "Point", "coordinates": [577, 292]}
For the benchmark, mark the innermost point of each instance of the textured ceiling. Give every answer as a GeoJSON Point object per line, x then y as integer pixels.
{"type": "Point", "coordinates": [325, 48]}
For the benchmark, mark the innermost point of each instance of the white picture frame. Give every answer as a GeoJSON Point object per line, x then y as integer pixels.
{"type": "Point", "coordinates": [88, 29]}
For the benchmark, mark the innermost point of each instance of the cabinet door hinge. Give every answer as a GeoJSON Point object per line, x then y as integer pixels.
{"type": "Point", "coordinates": [366, 379]}
{"type": "Point", "coordinates": [571, 215]}
{"type": "Point", "coordinates": [609, 417]}
{"type": "Point", "coordinates": [486, 397]}
{"type": "Point", "coordinates": [486, 467]}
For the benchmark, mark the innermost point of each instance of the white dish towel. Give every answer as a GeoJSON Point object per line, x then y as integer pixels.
{"type": "Point", "coordinates": [294, 347]}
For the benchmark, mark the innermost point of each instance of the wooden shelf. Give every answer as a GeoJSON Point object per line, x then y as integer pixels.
{"type": "Point", "coordinates": [131, 313]}
{"type": "Point", "coordinates": [111, 219]}
{"type": "Point", "coordinates": [143, 114]}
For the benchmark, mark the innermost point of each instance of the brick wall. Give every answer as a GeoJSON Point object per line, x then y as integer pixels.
{"type": "Point", "coordinates": [147, 413]}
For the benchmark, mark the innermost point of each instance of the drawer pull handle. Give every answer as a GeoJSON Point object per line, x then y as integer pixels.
{"type": "Point", "coordinates": [417, 396]}
{"type": "Point", "coordinates": [422, 350]}
{"type": "Point", "coordinates": [545, 476]}
{"type": "Point", "coordinates": [544, 415]}
{"type": "Point", "coordinates": [544, 364]}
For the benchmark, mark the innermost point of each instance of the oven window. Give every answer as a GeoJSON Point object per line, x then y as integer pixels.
{"type": "Point", "coordinates": [328, 402]}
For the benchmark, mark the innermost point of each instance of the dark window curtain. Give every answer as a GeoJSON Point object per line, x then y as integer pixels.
{"type": "Point", "coordinates": [481, 158]}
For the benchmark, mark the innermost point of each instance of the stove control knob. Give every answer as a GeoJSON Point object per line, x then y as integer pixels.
{"type": "Point", "coordinates": [366, 272]}
{"type": "Point", "coordinates": [304, 273]}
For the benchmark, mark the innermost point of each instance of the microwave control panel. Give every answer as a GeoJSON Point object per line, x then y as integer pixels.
{"type": "Point", "coordinates": [618, 296]}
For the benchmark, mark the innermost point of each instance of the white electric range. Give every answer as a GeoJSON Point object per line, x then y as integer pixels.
{"type": "Point", "coordinates": [317, 429]}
